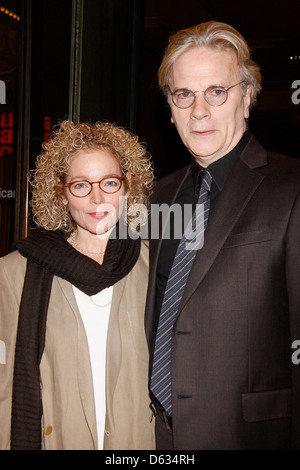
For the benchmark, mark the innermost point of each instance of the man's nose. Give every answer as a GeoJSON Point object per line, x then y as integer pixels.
{"type": "Point", "coordinates": [200, 108]}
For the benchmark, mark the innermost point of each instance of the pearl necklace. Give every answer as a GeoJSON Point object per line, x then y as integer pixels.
{"type": "Point", "coordinates": [75, 245]}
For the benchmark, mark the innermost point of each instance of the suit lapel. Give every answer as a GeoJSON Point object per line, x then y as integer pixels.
{"type": "Point", "coordinates": [238, 190]}
{"type": "Point", "coordinates": [166, 195]}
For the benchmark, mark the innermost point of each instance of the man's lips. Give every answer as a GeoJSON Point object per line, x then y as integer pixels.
{"type": "Point", "coordinates": [203, 133]}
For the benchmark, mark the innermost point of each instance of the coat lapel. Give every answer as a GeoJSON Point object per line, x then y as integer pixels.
{"type": "Point", "coordinates": [113, 345]}
{"type": "Point", "coordinates": [85, 379]}
{"type": "Point", "coordinates": [238, 190]}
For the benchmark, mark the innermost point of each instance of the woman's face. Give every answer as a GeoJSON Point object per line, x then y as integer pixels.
{"type": "Point", "coordinates": [98, 212]}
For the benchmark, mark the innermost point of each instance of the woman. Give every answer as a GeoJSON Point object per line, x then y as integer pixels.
{"type": "Point", "coordinates": [76, 367]}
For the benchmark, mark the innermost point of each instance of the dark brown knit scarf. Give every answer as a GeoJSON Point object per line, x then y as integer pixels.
{"type": "Point", "coordinates": [49, 254]}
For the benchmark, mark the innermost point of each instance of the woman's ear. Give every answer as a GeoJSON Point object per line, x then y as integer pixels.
{"type": "Point", "coordinates": [60, 191]}
{"type": "Point", "coordinates": [128, 179]}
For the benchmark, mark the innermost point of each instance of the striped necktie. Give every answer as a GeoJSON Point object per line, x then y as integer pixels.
{"type": "Point", "coordinates": [191, 241]}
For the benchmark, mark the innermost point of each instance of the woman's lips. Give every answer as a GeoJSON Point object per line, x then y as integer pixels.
{"type": "Point", "coordinates": [98, 215]}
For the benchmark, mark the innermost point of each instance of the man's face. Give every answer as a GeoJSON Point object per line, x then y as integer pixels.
{"type": "Point", "coordinates": [209, 132]}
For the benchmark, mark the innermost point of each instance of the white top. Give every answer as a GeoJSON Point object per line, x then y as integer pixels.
{"type": "Point", "coordinates": [95, 311]}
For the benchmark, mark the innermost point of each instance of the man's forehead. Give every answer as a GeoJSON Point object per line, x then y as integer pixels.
{"type": "Point", "coordinates": [205, 62]}
{"type": "Point", "coordinates": [196, 54]}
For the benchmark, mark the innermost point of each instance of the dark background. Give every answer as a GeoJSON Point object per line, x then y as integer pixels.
{"type": "Point", "coordinates": [272, 31]}
{"type": "Point", "coordinates": [97, 60]}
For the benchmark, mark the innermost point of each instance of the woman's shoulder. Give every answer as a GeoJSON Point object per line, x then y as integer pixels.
{"type": "Point", "coordinates": [138, 276]}
{"type": "Point", "coordinates": [12, 259]}
{"type": "Point", "coordinates": [144, 249]}
{"type": "Point", "coordinates": [13, 266]}
{"type": "Point", "coordinates": [142, 263]}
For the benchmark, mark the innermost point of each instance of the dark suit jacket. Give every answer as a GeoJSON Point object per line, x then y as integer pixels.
{"type": "Point", "coordinates": [234, 385]}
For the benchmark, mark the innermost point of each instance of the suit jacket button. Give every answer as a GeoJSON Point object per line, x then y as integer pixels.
{"type": "Point", "coordinates": [48, 430]}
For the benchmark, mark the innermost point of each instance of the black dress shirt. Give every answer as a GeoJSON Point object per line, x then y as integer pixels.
{"type": "Point", "coordinates": [189, 194]}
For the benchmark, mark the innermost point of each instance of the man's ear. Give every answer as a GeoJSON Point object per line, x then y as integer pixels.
{"type": "Point", "coordinates": [247, 101]}
{"type": "Point", "coordinates": [170, 109]}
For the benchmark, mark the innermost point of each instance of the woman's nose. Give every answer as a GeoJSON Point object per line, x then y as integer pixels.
{"type": "Point", "coordinates": [96, 194]}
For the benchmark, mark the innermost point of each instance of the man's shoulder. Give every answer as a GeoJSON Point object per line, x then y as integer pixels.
{"type": "Point", "coordinates": [170, 183]}
{"type": "Point", "coordinates": [283, 161]}
{"type": "Point", "coordinates": [283, 167]}
{"type": "Point", "coordinates": [174, 176]}
{"type": "Point", "coordinates": [270, 162]}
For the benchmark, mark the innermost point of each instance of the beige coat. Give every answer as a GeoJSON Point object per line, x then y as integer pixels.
{"type": "Point", "coordinates": [69, 419]}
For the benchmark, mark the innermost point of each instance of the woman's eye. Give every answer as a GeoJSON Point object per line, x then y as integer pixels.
{"type": "Point", "coordinates": [111, 183]}
{"type": "Point", "coordinates": [80, 185]}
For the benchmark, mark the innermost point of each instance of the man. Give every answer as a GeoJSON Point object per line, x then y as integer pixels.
{"type": "Point", "coordinates": [227, 379]}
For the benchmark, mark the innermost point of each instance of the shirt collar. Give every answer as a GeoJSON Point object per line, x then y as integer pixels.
{"type": "Point", "coordinates": [221, 168]}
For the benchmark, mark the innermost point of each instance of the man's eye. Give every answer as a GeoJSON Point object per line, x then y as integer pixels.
{"type": "Point", "coordinates": [184, 94]}
{"type": "Point", "coordinates": [216, 92]}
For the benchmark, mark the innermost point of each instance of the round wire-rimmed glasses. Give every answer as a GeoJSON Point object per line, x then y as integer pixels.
{"type": "Point", "coordinates": [108, 184]}
{"type": "Point", "coordinates": [214, 95]}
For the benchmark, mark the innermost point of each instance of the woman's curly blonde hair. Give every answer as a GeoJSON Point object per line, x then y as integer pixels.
{"type": "Point", "coordinates": [53, 164]}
